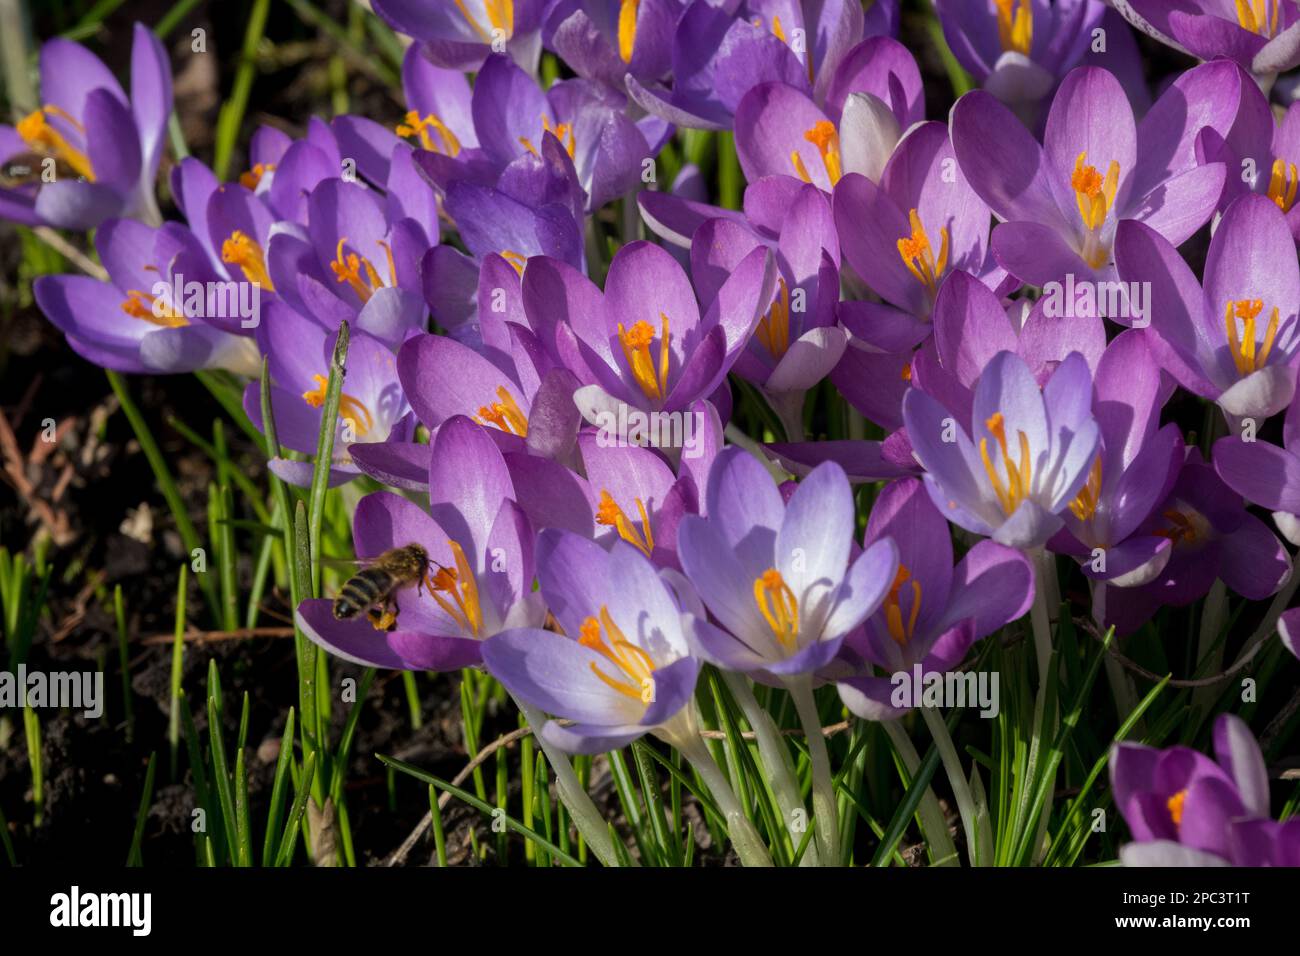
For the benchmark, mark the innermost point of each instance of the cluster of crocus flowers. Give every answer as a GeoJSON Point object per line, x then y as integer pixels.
{"type": "Point", "coordinates": [1059, 321]}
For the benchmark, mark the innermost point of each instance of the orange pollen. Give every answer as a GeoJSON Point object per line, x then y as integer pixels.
{"type": "Point", "coordinates": [826, 138]}
{"type": "Point", "coordinates": [43, 138]}
{"type": "Point", "coordinates": [918, 255]}
{"type": "Point", "coordinates": [774, 328]}
{"type": "Point", "coordinates": [505, 414]}
{"type": "Point", "coordinates": [252, 178]}
{"type": "Point", "coordinates": [456, 591]}
{"type": "Point", "coordinates": [350, 409]}
{"type": "Point", "coordinates": [142, 305]}
{"type": "Point", "coordinates": [243, 251]}
{"type": "Point", "coordinates": [1247, 354]}
{"type": "Point", "coordinates": [611, 515]}
{"type": "Point", "coordinates": [636, 349]}
{"type": "Point", "coordinates": [635, 668]}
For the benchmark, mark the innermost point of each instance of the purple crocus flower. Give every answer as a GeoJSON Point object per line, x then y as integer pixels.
{"type": "Point", "coordinates": [606, 40]}
{"type": "Point", "coordinates": [876, 94]}
{"type": "Point", "coordinates": [643, 344]}
{"type": "Point", "coordinates": [1265, 152]}
{"type": "Point", "coordinates": [517, 391]}
{"type": "Point", "coordinates": [460, 34]}
{"type": "Point", "coordinates": [718, 56]}
{"type": "Point", "coordinates": [797, 342]}
{"type": "Point", "coordinates": [1136, 466]}
{"type": "Point", "coordinates": [1261, 35]}
{"type": "Point", "coordinates": [372, 406]}
{"type": "Point", "coordinates": [620, 668]}
{"type": "Point", "coordinates": [353, 264]}
{"type": "Point", "coordinates": [906, 234]}
{"type": "Point", "coordinates": [1185, 809]}
{"type": "Point", "coordinates": [512, 114]}
{"type": "Point", "coordinates": [1233, 339]}
{"type": "Point", "coordinates": [135, 322]}
{"type": "Point", "coordinates": [1016, 463]}
{"type": "Point", "coordinates": [93, 153]}
{"type": "Point", "coordinates": [1062, 201]}
{"type": "Point", "coordinates": [1265, 474]}
{"type": "Point", "coordinates": [933, 612]}
{"type": "Point", "coordinates": [480, 547]}
{"type": "Point", "coordinates": [1019, 49]}
{"type": "Point", "coordinates": [1213, 536]}
{"type": "Point", "coordinates": [777, 575]}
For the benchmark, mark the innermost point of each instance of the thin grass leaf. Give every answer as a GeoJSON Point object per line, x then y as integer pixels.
{"type": "Point", "coordinates": [133, 857]}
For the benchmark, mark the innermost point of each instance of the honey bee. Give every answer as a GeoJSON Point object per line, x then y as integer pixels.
{"type": "Point", "coordinates": [23, 169]}
{"type": "Point", "coordinates": [374, 588]}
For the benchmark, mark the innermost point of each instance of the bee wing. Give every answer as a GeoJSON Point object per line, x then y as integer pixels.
{"type": "Point", "coordinates": [337, 562]}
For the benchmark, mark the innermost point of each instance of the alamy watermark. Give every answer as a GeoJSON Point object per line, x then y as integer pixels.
{"type": "Point", "coordinates": [78, 690]}
{"type": "Point", "coordinates": [76, 909]}
{"type": "Point", "coordinates": [1110, 299]}
{"type": "Point", "coordinates": [916, 688]}
{"type": "Point", "coordinates": [209, 300]}
{"type": "Point", "coordinates": [630, 426]}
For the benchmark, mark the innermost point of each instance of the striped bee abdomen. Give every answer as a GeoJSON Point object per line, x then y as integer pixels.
{"type": "Point", "coordinates": [362, 590]}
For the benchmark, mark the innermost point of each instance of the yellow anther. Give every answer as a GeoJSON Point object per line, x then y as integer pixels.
{"type": "Point", "coordinates": [1258, 16]}
{"type": "Point", "coordinates": [634, 666]}
{"type": "Point", "coordinates": [1282, 184]}
{"type": "Point", "coordinates": [826, 138]}
{"type": "Point", "coordinates": [563, 132]}
{"type": "Point", "coordinates": [1184, 528]}
{"type": "Point", "coordinates": [350, 409]}
{"type": "Point", "coordinates": [243, 251]}
{"type": "Point", "coordinates": [505, 414]}
{"type": "Point", "coordinates": [1084, 505]}
{"type": "Point", "coordinates": [1019, 480]}
{"type": "Point", "coordinates": [1248, 355]}
{"type": "Point", "coordinates": [627, 11]}
{"type": "Point", "coordinates": [778, 605]}
{"type": "Point", "coordinates": [774, 328]}
{"type": "Point", "coordinates": [516, 259]}
{"type": "Point", "coordinates": [43, 138]}
{"type": "Point", "coordinates": [252, 178]}
{"type": "Point", "coordinates": [894, 609]}
{"type": "Point", "coordinates": [1175, 805]}
{"type": "Point", "coordinates": [358, 272]}
{"type": "Point", "coordinates": [500, 15]}
{"type": "Point", "coordinates": [918, 255]}
{"type": "Point", "coordinates": [1016, 25]}
{"type": "Point", "coordinates": [456, 591]}
{"type": "Point", "coordinates": [413, 124]}
{"type": "Point", "coordinates": [141, 305]}
{"type": "Point", "coordinates": [636, 349]}
{"type": "Point", "coordinates": [611, 515]}
{"type": "Point", "coordinates": [1095, 196]}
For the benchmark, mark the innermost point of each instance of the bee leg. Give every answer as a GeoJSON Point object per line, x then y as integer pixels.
{"type": "Point", "coordinates": [382, 619]}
